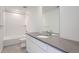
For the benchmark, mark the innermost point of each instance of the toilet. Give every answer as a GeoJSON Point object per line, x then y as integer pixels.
{"type": "Point", "coordinates": [23, 41]}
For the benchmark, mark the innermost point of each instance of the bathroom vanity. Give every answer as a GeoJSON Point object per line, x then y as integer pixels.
{"type": "Point", "coordinates": [52, 44]}
{"type": "Point", "coordinates": [36, 44]}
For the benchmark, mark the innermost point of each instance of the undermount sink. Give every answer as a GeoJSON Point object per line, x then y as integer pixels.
{"type": "Point", "coordinates": [54, 34]}
{"type": "Point", "coordinates": [42, 36]}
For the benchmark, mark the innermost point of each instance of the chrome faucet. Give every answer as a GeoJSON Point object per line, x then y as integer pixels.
{"type": "Point", "coordinates": [49, 33]}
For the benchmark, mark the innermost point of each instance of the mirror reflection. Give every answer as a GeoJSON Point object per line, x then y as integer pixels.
{"type": "Point", "coordinates": [51, 17]}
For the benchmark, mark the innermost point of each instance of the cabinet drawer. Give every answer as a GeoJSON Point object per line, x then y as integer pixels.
{"type": "Point", "coordinates": [40, 44]}
{"type": "Point", "coordinates": [33, 48]}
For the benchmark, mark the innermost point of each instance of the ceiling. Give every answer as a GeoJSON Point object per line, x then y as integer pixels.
{"type": "Point", "coordinates": [23, 9]}
{"type": "Point", "coordinates": [48, 8]}
{"type": "Point", "coordinates": [16, 9]}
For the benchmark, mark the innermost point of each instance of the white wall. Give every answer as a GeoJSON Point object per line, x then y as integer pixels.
{"type": "Point", "coordinates": [1, 29]}
{"type": "Point", "coordinates": [14, 24]}
{"type": "Point", "coordinates": [34, 20]}
{"type": "Point", "coordinates": [52, 18]}
{"type": "Point", "coordinates": [69, 22]}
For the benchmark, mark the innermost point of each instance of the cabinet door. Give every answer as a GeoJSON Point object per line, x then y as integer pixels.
{"type": "Point", "coordinates": [35, 48]}
{"type": "Point", "coordinates": [42, 45]}
{"type": "Point", "coordinates": [32, 47]}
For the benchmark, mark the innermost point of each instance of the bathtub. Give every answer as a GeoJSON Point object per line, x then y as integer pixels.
{"type": "Point", "coordinates": [11, 40]}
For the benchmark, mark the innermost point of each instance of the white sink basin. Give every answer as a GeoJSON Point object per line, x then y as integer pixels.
{"type": "Point", "coordinates": [54, 34]}
{"type": "Point", "coordinates": [41, 36]}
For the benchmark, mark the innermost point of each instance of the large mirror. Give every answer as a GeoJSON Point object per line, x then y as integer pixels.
{"type": "Point", "coordinates": [51, 16]}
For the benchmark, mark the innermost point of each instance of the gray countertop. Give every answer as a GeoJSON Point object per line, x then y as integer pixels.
{"type": "Point", "coordinates": [59, 43]}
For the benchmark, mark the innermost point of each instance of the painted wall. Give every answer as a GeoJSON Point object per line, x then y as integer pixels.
{"type": "Point", "coordinates": [1, 29]}
{"type": "Point", "coordinates": [69, 22]}
{"type": "Point", "coordinates": [14, 25]}
{"type": "Point", "coordinates": [34, 20]}
{"type": "Point", "coordinates": [52, 19]}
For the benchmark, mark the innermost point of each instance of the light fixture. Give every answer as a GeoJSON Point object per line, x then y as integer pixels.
{"type": "Point", "coordinates": [15, 11]}
{"type": "Point", "coordinates": [16, 14]}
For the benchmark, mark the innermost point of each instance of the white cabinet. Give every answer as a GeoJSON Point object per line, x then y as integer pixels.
{"type": "Point", "coordinates": [32, 47]}
{"type": "Point", "coordinates": [40, 44]}
{"type": "Point", "coordinates": [35, 46]}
